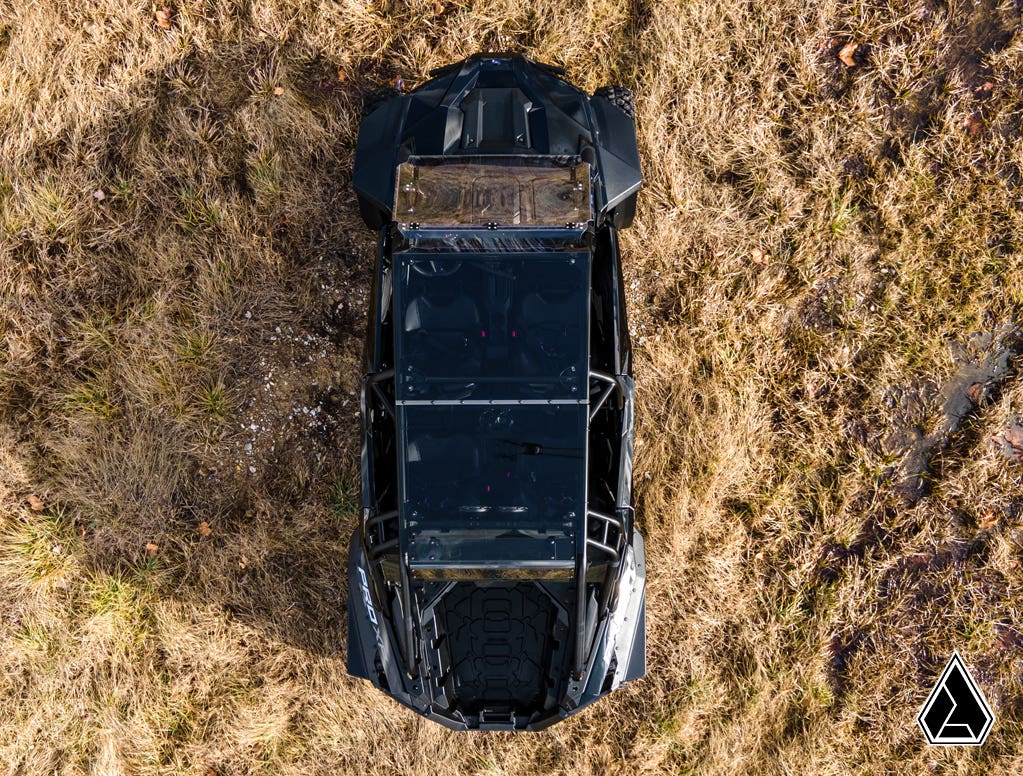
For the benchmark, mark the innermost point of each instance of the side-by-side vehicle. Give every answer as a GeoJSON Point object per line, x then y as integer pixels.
{"type": "Point", "coordinates": [497, 578]}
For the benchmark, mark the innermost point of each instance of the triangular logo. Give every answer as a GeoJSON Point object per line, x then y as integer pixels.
{"type": "Point", "coordinates": [956, 713]}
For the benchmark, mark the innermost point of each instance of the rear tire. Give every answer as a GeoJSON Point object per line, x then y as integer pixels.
{"type": "Point", "coordinates": [620, 97]}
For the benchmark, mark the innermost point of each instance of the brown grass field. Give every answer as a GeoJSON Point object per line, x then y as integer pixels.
{"type": "Point", "coordinates": [826, 279]}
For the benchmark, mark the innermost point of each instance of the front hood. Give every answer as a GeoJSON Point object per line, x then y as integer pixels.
{"type": "Point", "coordinates": [497, 104]}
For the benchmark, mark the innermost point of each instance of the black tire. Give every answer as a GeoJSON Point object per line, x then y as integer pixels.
{"type": "Point", "coordinates": [374, 98]}
{"type": "Point", "coordinates": [620, 97]}
{"type": "Point", "coordinates": [624, 214]}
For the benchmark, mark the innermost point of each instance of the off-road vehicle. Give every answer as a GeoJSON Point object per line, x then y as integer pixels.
{"type": "Point", "coordinates": [497, 579]}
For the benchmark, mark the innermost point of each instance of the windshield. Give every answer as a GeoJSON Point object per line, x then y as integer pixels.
{"type": "Point", "coordinates": [502, 327]}
{"type": "Point", "coordinates": [480, 190]}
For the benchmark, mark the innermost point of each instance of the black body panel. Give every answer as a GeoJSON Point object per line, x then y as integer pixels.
{"type": "Point", "coordinates": [497, 579]}
{"type": "Point", "coordinates": [496, 104]}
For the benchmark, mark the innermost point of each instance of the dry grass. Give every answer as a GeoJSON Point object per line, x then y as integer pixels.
{"type": "Point", "coordinates": [804, 589]}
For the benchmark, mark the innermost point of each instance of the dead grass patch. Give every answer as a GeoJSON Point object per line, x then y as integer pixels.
{"type": "Point", "coordinates": [811, 242]}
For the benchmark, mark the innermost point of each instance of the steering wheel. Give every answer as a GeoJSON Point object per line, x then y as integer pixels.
{"type": "Point", "coordinates": [568, 376]}
{"type": "Point", "coordinates": [433, 268]}
{"type": "Point", "coordinates": [551, 339]}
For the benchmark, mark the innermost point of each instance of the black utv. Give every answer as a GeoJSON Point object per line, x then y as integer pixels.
{"type": "Point", "coordinates": [497, 579]}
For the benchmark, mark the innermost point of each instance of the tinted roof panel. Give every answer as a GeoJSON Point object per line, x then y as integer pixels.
{"type": "Point", "coordinates": [491, 327]}
{"type": "Point", "coordinates": [511, 475]}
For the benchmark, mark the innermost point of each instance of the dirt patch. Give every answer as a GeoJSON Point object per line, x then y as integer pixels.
{"type": "Point", "coordinates": [842, 650]}
{"type": "Point", "coordinates": [982, 29]}
{"type": "Point", "coordinates": [821, 310]}
{"type": "Point", "coordinates": [982, 367]}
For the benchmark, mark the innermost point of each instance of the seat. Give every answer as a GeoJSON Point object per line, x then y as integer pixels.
{"type": "Point", "coordinates": [441, 469]}
{"type": "Point", "coordinates": [444, 333]}
{"type": "Point", "coordinates": [545, 325]}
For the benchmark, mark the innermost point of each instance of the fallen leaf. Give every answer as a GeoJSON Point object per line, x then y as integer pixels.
{"type": "Point", "coordinates": [163, 17]}
{"type": "Point", "coordinates": [278, 90]}
{"type": "Point", "coordinates": [847, 54]}
{"type": "Point", "coordinates": [975, 392]}
{"type": "Point", "coordinates": [973, 126]}
{"type": "Point", "coordinates": [204, 529]}
{"type": "Point", "coordinates": [341, 77]}
{"type": "Point", "coordinates": [151, 549]}
{"type": "Point", "coordinates": [438, 8]}
{"type": "Point", "coordinates": [1007, 637]}
{"type": "Point", "coordinates": [99, 195]}
{"type": "Point", "coordinates": [36, 503]}
{"type": "Point", "coordinates": [758, 256]}
{"type": "Point", "coordinates": [988, 519]}
{"type": "Point", "coordinates": [1011, 441]}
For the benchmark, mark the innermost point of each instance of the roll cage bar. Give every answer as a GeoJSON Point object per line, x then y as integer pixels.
{"type": "Point", "coordinates": [602, 533]}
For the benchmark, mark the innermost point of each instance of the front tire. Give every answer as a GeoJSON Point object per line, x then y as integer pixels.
{"type": "Point", "coordinates": [374, 98]}
{"type": "Point", "coordinates": [624, 214]}
{"type": "Point", "coordinates": [620, 97]}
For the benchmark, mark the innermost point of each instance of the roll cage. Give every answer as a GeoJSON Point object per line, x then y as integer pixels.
{"type": "Point", "coordinates": [607, 524]}
{"type": "Point", "coordinates": [507, 603]}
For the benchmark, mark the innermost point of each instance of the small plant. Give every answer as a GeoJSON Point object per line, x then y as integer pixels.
{"type": "Point", "coordinates": [34, 638]}
{"type": "Point", "coordinates": [49, 209]}
{"type": "Point", "coordinates": [344, 497]}
{"type": "Point", "coordinates": [98, 332]}
{"type": "Point", "coordinates": [112, 594]}
{"type": "Point", "coordinates": [91, 398]}
{"type": "Point", "coordinates": [121, 191]}
{"type": "Point", "coordinates": [41, 545]}
{"type": "Point", "coordinates": [213, 399]}
{"type": "Point", "coordinates": [197, 348]}
{"type": "Point", "coordinates": [842, 214]}
{"type": "Point", "coordinates": [264, 177]}
{"type": "Point", "coordinates": [196, 211]}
